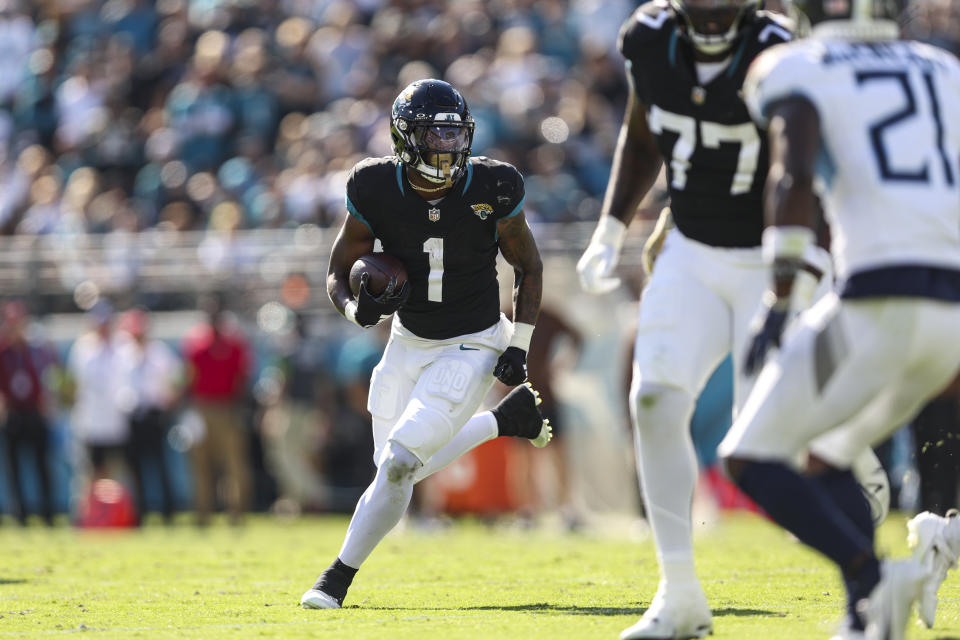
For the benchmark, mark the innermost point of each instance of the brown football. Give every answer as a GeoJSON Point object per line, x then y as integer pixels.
{"type": "Point", "coordinates": [381, 267]}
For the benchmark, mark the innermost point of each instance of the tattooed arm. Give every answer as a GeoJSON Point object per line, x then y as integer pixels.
{"type": "Point", "coordinates": [520, 250]}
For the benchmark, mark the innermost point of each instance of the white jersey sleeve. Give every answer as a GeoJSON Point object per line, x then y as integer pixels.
{"type": "Point", "coordinates": [888, 171]}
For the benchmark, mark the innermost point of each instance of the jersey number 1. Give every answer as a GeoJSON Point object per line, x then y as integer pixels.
{"type": "Point", "coordinates": [433, 247]}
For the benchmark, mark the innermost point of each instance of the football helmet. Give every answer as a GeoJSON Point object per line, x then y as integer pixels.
{"type": "Point", "coordinates": [857, 19]}
{"type": "Point", "coordinates": [432, 130]}
{"type": "Point", "coordinates": [712, 26]}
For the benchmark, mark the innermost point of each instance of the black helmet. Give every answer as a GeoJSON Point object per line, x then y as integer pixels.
{"type": "Point", "coordinates": [712, 26]}
{"type": "Point", "coordinates": [432, 130]}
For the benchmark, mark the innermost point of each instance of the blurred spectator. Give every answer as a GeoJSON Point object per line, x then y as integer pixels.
{"type": "Point", "coordinates": [934, 21]}
{"type": "Point", "coordinates": [936, 439]}
{"type": "Point", "coordinates": [16, 44]}
{"type": "Point", "coordinates": [93, 368]}
{"type": "Point", "coordinates": [25, 366]}
{"type": "Point", "coordinates": [218, 360]}
{"type": "Point", "coordinates": [153, 377]}
{"type": "Point", "coordinates": [149, 94]}
{"type": "Point", "coordinates": [552, 331]}
{"type": "Point", "coordinates": [200, 110]}
{"type": "Point", "coordinates": [346, 455]}
{"type": "Point", "coordinates": [297, 392]}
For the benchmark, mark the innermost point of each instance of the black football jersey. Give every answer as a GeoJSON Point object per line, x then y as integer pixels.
{"type": "Point", "coordinates": [449, 248]}
{"type": "Point", "coordinates": [716, 157]}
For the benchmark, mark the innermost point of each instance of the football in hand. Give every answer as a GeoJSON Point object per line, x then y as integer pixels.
{"type": "Point", "coordinates": [381, 267]}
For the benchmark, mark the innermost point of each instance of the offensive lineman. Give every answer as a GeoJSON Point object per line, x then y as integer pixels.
{"type": "Point", "coordinates": [686, 60]}
{"type": "Point", "coordinates": [444, 214]}
{"type": "Point", "coordinates": [871, 124]}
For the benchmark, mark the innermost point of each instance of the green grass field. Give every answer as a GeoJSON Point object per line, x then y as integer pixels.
{"type": "Point", "coordinates": [468, 581]}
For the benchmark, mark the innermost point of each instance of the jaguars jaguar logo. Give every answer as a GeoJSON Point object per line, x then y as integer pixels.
{"type": "Point", "coordinates": [482, 210]}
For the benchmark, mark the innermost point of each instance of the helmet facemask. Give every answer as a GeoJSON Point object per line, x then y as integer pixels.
{"type": "Point", "coordinates": [442, 149]}
{"type": "Point", "coordinates": [437, 150]}
{"type": "Point", "coordinates": [712, 26]}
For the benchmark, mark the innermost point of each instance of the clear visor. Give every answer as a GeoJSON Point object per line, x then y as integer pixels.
{"type": "Point", "coordinates": [443, 139]}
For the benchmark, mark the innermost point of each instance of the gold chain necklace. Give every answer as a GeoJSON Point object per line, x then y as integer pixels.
{"type": "Point", "coordinates": [426, 190]}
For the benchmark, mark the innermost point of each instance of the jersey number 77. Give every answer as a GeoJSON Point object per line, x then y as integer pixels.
{"type": "Point", "coordinates": [709, 135]}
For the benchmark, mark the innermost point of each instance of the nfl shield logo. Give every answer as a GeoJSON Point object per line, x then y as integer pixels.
{"type": "Point", "coordinates": [433, 214]}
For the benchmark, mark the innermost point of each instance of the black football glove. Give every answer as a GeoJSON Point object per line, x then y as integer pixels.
{"type": "Point", "coordinates": [511, 367]}
{"type": "Point", "coordinates": [767, 334]}
{"type": "Point", "coordinates": [371, 308]}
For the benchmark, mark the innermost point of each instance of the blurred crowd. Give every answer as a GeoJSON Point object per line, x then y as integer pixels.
{"type": "Point", "coordinates": [215, 417]}
{"type": "Point", "coordinates": [221, 115]}
{"type": "Point", "coordinates": [230, 114]}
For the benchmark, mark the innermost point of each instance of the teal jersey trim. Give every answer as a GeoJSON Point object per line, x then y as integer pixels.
{"type": "Point", "coordinates": [736, 58]}
{"type": "Point", "coordinates": [672, 52]}
{"type": "Point", "coordinates": [352, 210]}
{"type": "Point", "coordinates": [400, 178]}
{"type": "Point", "coordinates": [466, 183]}
{"type": "Point", "coordinates": [826, 168]}
{"type": "Point", "coordinates": [517, 209]}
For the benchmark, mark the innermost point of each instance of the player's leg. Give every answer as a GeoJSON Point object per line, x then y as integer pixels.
{"type": "Point", "coordinates": [391, 384]}
{"type": "Point", "coordinates": [515, 415]}
{"type": "Point", "coordinates": [791, 403]}
{"type": "Point", "coordinates": [931, 364]}
{"type": "Point", "coordinates": [675, 352]}
{"type": "Point", "coordinates": [449, 389]}
{"type": "Point", "coordinates": [379, 510]}
{"type": "Point", "coordinates": [845, 366]}
{"type": "Point", "coordinates": [446, 394]}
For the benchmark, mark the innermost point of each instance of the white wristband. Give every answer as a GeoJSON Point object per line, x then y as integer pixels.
{"type": "Point", "coordinates": [610, 232]}
{"type": "Point", "coordinates": [350, 312]}
{"type": "Point", "coordinates": [788, 242]}
{"type": "Point", "coordinates": [522, 333]}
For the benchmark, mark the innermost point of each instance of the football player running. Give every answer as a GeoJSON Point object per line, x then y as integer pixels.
{"type": "Point", "coordinates": [445, 215]}
{"type": "Point", "coordinates": [686, 61]}
{"type": "Point", "coordinates": [871, 124]}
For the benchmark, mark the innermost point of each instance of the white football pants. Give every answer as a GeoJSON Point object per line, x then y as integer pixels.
{"type": "Point", "coordinates": [423, 391]}
{"type": "Point", "coordinates": [854, 371]}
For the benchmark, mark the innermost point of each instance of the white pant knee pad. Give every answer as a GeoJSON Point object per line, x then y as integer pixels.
{"type": "Point", "coordinates": [422, 430]}
{"type": "Point", "coordinates": [657, 408]}
{"type": "Point", "coordinates": [398, 465]}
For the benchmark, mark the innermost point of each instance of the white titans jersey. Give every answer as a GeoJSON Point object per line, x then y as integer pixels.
{"type": "Point", "coordinates": [888, 173]}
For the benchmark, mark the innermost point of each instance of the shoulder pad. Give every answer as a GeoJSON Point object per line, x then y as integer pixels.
{"type": "Point", "coordinates": [503, 180]}
{"type": "Point", "coordinates": [781, 72]}
{"type": "Point", "coordinates": [649, 22]}
{"type": "Point", "coordinates": [772, 28]}
{"type": "Point", "coordinates": [386, 163]}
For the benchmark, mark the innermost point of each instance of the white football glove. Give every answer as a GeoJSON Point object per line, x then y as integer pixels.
{"type": "Point", "coordinates": [597, 263]}
{"type": "Point", "coordinates": [654, 244]}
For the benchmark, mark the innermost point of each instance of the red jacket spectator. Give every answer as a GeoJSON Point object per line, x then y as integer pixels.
{"type": "Point", "coordinates": [218, 357]}
{"type": "Point", "coordinates": [219, 361]}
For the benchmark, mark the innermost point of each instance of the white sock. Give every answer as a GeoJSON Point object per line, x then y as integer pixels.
{"type": "Point", "coordinates": [667, 467]}
{"type": "Point", "coordinates": [381, 506]}
{"type": "Point", "coordinates": [478, 429]}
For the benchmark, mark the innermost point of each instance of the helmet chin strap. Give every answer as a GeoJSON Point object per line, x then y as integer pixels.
{"type": "Point", "coordinates": [715, 44]}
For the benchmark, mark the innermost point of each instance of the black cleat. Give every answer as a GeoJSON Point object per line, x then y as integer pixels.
{"type": "Point", "coordinates": [517, 415]}
{"type": "Point", "coordinates": [330, 588]}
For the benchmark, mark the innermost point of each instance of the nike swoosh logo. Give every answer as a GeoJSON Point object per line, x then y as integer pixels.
{"type": "Point", "coordinates": [463, 348]}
